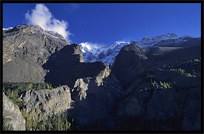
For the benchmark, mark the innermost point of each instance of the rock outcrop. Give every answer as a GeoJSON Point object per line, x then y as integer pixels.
{"type": "Point", "coordinates": [12, 115]}
{"type": "Point", "coordinates": [46, 101]}
{"type": "Point", "coordinates": [94, 103]}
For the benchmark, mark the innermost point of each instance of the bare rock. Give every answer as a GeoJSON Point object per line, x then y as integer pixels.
{"type": "Point", "coordinates": [47, 101]}
{"type": "Point", "coordinates": [12, 114]}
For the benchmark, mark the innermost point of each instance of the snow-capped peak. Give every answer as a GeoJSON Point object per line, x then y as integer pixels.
{"type": "Point", "coordinates": [9, 28]}
{"type": "Point", "coordinates": [97, 52]}
{"type": "Point", "coordinates": [159, 40]}
{"type": "Point", "coordinates": [94, 52]}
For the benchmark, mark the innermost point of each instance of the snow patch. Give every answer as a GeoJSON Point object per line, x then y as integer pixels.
{"type": "Point", "coordinates": [9, 28]}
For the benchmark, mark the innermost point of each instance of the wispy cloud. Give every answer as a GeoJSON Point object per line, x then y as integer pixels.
{"type": "Point", "coordinates": [42, 16]}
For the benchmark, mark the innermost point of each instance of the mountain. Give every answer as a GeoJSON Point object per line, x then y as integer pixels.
{"type": "Point", "coordinates": [153, 84]}
{"type": "Point", "coordinates": [137, 60]}
{"type": "Point", "coordinates": [107, 54]}
{"type": "Point", "coordinates": [25, 49]}
{"type": "Point", "coordinates": [46, 57]}
{"type": "Point", "coordinates": [160, 83]}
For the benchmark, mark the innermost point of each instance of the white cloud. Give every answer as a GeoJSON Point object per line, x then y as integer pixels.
{"type": "Point", "coordinates": [94, 48]}
{"type": "Point", "coordinates": [89, 46]}
{"type": "Point", "coordinates": [43, 17]}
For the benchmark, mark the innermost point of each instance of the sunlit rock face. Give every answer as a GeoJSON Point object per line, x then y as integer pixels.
{"type": "Point", "coordinates": [12, 115]}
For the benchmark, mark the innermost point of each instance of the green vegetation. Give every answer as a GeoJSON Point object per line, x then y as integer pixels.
{"type": "Point", "coordinates": [161, 85]}
{"type": "Point", "coordinates": [182, 72]}
{"type": "Point", "coordinates": [14, 90]}
{"type": "Point", "coordinates": [55, 123]}
{"type": "Point", "coordinates": [191, 68]}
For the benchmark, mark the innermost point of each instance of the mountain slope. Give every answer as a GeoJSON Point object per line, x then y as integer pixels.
{"type": "Point", "coordinates": [133, 60]}
{"type": "Point", "coordinates": [25, 49]}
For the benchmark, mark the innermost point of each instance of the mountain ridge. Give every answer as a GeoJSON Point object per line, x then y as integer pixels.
{"type": "Point", "coordinates": [107, 54]}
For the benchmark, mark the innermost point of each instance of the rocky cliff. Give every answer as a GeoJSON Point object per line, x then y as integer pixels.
{"type": "Point", "coordinates": [12, 115]}
{"type": "Point", "coordinates": [46, 101]}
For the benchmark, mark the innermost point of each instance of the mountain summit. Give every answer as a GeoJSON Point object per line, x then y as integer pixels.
{"type": "Point", "coordinates": [107, 54]}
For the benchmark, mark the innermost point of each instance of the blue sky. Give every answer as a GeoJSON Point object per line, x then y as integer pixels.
{"type": "Point", "coordinates": [105, 23]}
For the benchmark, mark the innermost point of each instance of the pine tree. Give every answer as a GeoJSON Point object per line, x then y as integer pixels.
{"type": "Point", "coordinates": [165, 85]}
{"type": "Point", "coordinates": [34, 124]}
{"type": "Point", "coordinates": [11, 94]}
{"type": "Point", "coordinates": [37, 112]}
{"type": "Point", "coordinates": [28, 122]}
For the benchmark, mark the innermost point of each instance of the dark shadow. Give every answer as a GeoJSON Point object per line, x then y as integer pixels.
{"type": "Point", "coordinates": [65, 67]}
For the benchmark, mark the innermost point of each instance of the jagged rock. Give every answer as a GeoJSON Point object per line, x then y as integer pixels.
{"type": "Point", "coordinates": [25, 49]}
{"type": "Point", "coordinates": [103, 74]}
{"type": "Point", "coordinates": [47, 101]}
{"type": "Point", "coordinates": [97, 103]}
{"type": "Point", "coordinates": [80, 88]}
{"type": "Point", "coordinates": [12, 114]}
{"type": "Point", "coordinates": [67, 65]}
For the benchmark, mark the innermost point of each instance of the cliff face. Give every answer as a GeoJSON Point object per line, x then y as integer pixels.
{"type": "Point", "coordinates": [12, 114]}
{"type": "Point", "coordinates": [47, 102]}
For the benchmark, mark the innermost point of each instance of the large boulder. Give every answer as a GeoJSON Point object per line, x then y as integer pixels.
{"type": "Point", "coordinates": [12, 115]}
